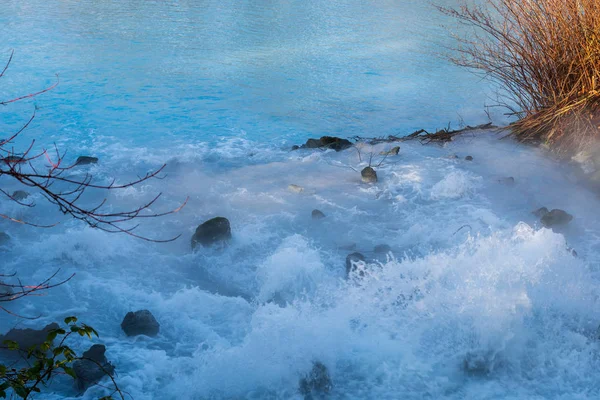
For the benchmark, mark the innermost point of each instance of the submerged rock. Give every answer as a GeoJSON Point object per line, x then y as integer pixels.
{"type": "Point", "coordinates": [556, 217]}
{"type": "Point", "coordinates": [4, 239]}
{"type": "Point", "coordinates": [92, 367]}
{"type": "Point", "coordinates": [295, 147]}
{"type": "Point", "coordinates": [469, 158]}
{"type": "Point", "coordinates": [213, 231]}
{"type": "Point", "coordinates": [508, 181]}
{"type": "Point", "coordinates": [317, 214]}
{"type": "Point", "coordinates": [85, 160]}
{"type": "Point", "coordinates": [353, 260]}
{"type": "Point", "coordinates": [317, 382]}
{"type": "Point", "coordinates": [141, 322]}
{"type": "Point", "coordinates": [295, 188]}
{"type": "Point", "coordinates": [392, 152]}
{"type": "Point", "coordinates": [369, 175]}
{"type": "Point", "coordinates": [28, 338]}
{"type": "Point", "coordinates": [14, 159]}
{"type": "Point", "coordinates": [19, 195]}
{"type": "Point", "coordinates": [480, 363]}
{"type": "Point", "coordinates": [328, 142]}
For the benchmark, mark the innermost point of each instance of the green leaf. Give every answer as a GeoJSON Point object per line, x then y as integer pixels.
{"type": "Point", "coordinates": [69, 371]}
{"type": "Point", "coordinates": [69, 320]}
{"type": "Point", "coordinates": [11, 344]}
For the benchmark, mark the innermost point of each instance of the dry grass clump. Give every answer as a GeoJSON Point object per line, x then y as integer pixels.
{"type": "Point", "coordinates": [545, 54]}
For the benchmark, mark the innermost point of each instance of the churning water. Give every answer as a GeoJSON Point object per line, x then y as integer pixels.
{"type": "Point", "coordinates": [220, 90]}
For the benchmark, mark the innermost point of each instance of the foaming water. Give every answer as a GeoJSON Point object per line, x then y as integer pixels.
{"type": "Point", "coordinates": [474, 299]}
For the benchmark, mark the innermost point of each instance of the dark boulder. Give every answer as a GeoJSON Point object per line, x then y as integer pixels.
{"type": "Point", "coordinates": [141, 322]}
{"type": "Point", "coordinates": [369, 175]}
{"type": "Point", "coordinates": [19, 195]}
{"type": "Point", "coordinates": [316, 383]}
{"type": "Point", "coordinates": [92, 367]}
{"type": "Point", "coordinates": [312, 144]}
{"type": "Point", "coordinates": [352, 261]}
{"type": "Point", "coordinates": [328, 142]}
{"type": "Point", "coordinates": [335, 143]}
{"type": "Point", "coordinates": [556, 217]}
{"type": "Point", "coordinates": [216, 230]}
{"type": "Point", "coordinates": [317, 214]}
{"type": "Point", "coordinates": [28, 338]}
{"type": "Point", "coordinates": [85, 160]}
{"type": "Point", "coordinates": [295, 147]}
{"type": "Point", "coordinates": [469, 158]}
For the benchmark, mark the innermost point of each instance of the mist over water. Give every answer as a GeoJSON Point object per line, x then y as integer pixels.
{"type": "Point", "coordinates": [475, 300]}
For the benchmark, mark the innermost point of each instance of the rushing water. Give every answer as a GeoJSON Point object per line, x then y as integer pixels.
{"type": "Point", "coordinates": [220, 90]}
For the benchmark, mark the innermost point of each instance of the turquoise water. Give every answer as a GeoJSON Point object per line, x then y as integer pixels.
{"type": "Point", "coordinates": [220, 91]}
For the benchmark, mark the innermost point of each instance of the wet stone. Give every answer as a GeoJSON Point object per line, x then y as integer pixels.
{"type": "Point", "coordinates": [92, 367]}
{"type": "Point", "coordinates": [352, 262]}
{"type": "Point", "coordinates": [369, 175]}
{"type": "Point", "coordinates": [556, 217]}
{"type": "Point", "coordinates": [141, 322]}
{"type": "Point", "coordinates": [213, 231]}
{"type": "Point", "coordinates": [316, 383]}
{"type": "Point", "coordinates": [20, 195]}
{"type": "Point", "coordinates": [86, 160]}
{"type": "Point", "coordinates": [317, 214]}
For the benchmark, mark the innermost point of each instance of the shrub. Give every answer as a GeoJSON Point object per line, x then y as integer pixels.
{"type": "Point", "coordinates": [545, 54]}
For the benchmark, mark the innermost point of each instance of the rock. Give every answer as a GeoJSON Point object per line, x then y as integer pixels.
{"type": "Point", "coordinates": [335, 143]}
{"type": "Point", "coordinates": [469, 158]}
{"type": "Point", "coordinates": [556, 217]}
{"type": "Point", "coordinates": [540, 212]}
{"type": "Point", "coordinates": [14, 160]}
{"type": "Point", "coordinates": [141, 322]}
{"type": "Point", "coordinates": [368, 175]}
{"type": "Point", "coordinates": [295, 188]}
{"type": "Point", "coordinates": [317, 382]}
{"type": "Point", "coordinates": [213, 231]}
{"type": "Point", "coordinates": [312, 144]}
{"type": "Point", "coordinates": [328, 142]}
{"type": "Point", "coordinates": [92, 367]}
{"type": "Point", "coordinates": [19, 195]}
{"type": "Point", "coordinates": [509, 181]}
{"type": "Point", "coordinates": [352, 262]}
{"type": "Point", "coordinates": [317, 214]}
{"type": "Point", "coordinates": [28, 338]}
{"type": "Point", "coordinates": [295, 147]}
{"type": "Point", "coordinates": [382, 249]}
{"type": "Point", "coordinates": [392, 152]}
{"type": "Point", "coordinates": [4, 239]}
{"type": "Point", "coordinates": [85, 160]}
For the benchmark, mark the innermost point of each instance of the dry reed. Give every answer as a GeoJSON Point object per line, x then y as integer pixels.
{"type": "Point", "coordinates": [545, 54]}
